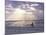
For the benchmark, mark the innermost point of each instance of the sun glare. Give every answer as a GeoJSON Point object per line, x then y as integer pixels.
{"type": "Point", "coordinates": [18, 14]}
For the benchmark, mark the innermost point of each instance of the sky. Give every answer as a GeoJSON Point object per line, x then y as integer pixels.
{"type": "Point", "coordinates": [22, 10]}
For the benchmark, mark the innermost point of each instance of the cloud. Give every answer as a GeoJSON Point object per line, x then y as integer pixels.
{"type": "Point", "coordinates": [34, 4]}
{"type": "Point", "coordinates": [28, 8]}
{"type": "Point", "coordinates": [9, 10]}
{"type": "Point", "coordinates": [23, 6]}
{"type": "Point", "coordinates": [32, 8]}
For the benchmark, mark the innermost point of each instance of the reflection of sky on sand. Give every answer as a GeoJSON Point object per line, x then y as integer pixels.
{"type": "Point", "coordinates": [16, 10]}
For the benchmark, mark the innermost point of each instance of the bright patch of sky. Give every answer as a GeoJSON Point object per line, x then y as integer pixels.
{"type": "Point", "coordinates": [32, 9]}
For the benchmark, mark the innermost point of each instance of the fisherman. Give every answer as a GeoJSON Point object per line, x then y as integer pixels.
{"type": "Point", "coordinates": [32, 24]}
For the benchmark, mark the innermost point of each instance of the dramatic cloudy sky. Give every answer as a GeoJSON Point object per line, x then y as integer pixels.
{"type": "Point", "coordinates": [20, 10]}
